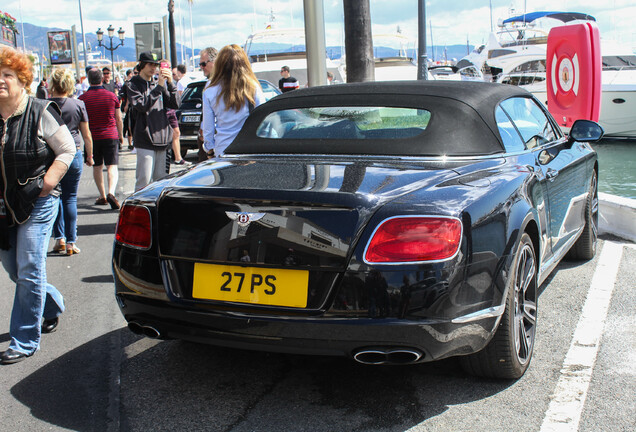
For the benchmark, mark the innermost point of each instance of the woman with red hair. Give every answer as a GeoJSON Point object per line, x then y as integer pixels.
{"type": "Point", "coordinates": [37, 149]}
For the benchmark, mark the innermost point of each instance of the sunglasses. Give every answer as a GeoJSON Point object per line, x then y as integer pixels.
{"type": "Point", "coordinates": [202, 64]}
{"type": "Point", "coordinates": [106, 73]}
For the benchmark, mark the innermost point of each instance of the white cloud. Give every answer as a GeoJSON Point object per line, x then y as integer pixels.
{"type": "Point", "coordinates": [219, 22]}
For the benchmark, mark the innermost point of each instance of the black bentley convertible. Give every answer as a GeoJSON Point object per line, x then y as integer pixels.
{"type": "Point", "coordinates": [386, 222]}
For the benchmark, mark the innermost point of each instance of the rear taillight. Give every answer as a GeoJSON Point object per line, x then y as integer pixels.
{"type": "Point", "coordinates": [133, 227]}
{"type": "Point", "coordinates": [414, 239]}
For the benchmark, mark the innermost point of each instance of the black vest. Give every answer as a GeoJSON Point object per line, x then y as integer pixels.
{"type": "Point", "coordinates": [24, 159]}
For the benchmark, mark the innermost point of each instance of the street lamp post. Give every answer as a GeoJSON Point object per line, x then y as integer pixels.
{"type": "Point", "coordinates": [111, 34]}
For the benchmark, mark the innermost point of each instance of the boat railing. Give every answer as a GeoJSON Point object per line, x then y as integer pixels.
{"type": "Point", "coordinates": [393, 61]}
{"type": "Point", "coordinates": [264, 57]}
{"type": "Point", "coordinates": [541, 40]}
{"type": "Point", "coordinates": [514, 36]}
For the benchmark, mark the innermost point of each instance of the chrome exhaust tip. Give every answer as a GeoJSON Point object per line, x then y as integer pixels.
{"type": "Point", "coordinates": [388, 356]}
{"type": "Point", "coordinates": [403, 356]}
{"type": "Point", "coordinates": [370, 357]}
{"type": "Point", "coordinates": [142, 329]}
{"type": "Point", "coordinates": [135, 327]}
{"type": "Point", "coordinates": [151, 332]}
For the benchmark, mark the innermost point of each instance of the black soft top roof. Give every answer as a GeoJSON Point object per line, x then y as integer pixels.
{"type": "Point", "coordinates": [462, 118]}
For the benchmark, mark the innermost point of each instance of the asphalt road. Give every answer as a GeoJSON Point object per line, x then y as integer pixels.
{"type": "Point", "coordinates": [95, 375]}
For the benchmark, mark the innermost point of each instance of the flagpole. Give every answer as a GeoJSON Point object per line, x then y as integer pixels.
{"type": "Point", "coordinates": [83, 37]}
{"type": "Point", "coordinates": [22, 24]}
{"type": "Point", "coordinates": [181, 30]}
{"type": "Point", "coordinates": [191, 36]}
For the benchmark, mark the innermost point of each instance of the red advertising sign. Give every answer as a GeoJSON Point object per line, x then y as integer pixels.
{"type": "Point", "coordinates": [60, 47]}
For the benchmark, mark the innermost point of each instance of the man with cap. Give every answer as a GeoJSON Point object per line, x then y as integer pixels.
{"type": "Point", "coordinates": [152, 133]}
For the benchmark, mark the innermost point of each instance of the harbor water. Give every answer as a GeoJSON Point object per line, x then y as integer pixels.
{"type": "Point", "coordinates": [617, 167]}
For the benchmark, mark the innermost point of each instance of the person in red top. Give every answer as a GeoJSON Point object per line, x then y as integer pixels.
{"type": "Point", "coordinates": [105, 124]}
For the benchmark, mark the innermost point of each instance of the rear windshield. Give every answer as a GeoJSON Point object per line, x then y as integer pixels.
{"type": "Point", "coordinates": [344, 123]}
{"type": "Point", "coordinates": [193, 92]}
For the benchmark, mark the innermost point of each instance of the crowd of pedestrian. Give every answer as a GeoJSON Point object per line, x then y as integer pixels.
{"type": "Point", "coordinates": [47, 138]}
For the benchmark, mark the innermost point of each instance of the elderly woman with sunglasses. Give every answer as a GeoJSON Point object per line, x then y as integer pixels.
{"type": "Point", "coordinates": [37, 149]}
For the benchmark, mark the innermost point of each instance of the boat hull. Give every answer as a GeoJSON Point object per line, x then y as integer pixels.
{"type": "Point", "coordinates": [618, 109]}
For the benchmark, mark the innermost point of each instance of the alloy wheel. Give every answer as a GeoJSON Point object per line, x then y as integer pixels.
{"type": "Point", "coordinates": [525, 304]}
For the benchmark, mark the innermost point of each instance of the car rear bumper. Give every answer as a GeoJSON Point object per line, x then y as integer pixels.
{"type": "Point", "coordinates": [305, 335]}
{"type": "Point", "coordinates": [188, 138]}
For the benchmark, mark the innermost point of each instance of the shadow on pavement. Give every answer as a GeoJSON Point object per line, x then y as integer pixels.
{"type": "Point", "coordinates": [175, 385]}
{"type": "Point", "coordinates": [255, 391]}
{"type": "Point", "coordinates": [72, 391]}
{"type": "Point", "coordinates": [99, 229]}
{"type": "Point", "coordinates": [99, 279]}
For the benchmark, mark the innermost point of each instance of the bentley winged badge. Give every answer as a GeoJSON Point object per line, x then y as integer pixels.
{"type": "Point", "coordinates": [244, 218]}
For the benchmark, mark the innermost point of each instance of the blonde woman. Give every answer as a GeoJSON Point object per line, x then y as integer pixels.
{"type": "Point", "coordinates": [232, 93]}
{"type": "Point", "coordinates": [62, 86]}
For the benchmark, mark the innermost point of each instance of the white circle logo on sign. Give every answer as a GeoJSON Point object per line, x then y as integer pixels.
{"type": "Point", "coordinates": [566, 74]}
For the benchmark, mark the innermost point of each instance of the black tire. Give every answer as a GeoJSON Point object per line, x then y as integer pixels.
{"type": "Point", "coordinates": [585, 246]}
{"type": "Point", "coordinates": [509, 352]}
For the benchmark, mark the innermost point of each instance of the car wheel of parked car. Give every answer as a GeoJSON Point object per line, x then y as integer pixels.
{"type": "Point", "coordinates": [585, 246]}
{"type": "Point", "coordinates": [509, 352]}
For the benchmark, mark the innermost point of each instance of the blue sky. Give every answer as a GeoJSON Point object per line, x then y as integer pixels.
{"type": "Point", "coordinates": [219, 22]}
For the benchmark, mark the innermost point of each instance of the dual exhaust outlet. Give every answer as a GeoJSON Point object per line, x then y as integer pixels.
{"type": "Point", "coordinates": [388, 356]}
{"type": "Point", "coordinates": [144, 329]}
{"type": "Point", "coordinates": [369, 356]}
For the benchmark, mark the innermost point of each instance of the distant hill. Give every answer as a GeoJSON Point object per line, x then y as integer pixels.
{"type": "Point", "coordinates": [335, 52]}
{"type": "Point", "coordinates": [36, 40]}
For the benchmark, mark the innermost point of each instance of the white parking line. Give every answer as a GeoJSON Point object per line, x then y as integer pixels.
{"type": "Point", "coordinates": [568, 399]}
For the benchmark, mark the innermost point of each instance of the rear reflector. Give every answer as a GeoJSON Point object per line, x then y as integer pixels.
{"type": "Point", "coordinates": [133, 227]}
{"type": "Point", "coordinates": [405, 239]}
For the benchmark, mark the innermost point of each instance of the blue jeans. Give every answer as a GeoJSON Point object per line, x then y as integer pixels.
{"type": "Point", "coordinates": [66, 223]}
{"type": "Point", "coordinates": [25, 262]}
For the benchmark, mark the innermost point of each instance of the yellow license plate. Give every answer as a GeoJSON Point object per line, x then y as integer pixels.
{"type": "Point", "coordinates": [263, 286]}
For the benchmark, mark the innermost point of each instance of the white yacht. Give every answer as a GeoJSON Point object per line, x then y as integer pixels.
{"type": "Point", "coordinates": [289, 51]}
{"type": "Point", "coordinates": [517, 55]}
{"type": "Point", "coordinates": [403, 67]}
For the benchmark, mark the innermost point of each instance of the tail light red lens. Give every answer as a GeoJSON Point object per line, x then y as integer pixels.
{"type": "Point", "coordinates": [414, 239]}
{"type": "Point", "coordinates": [133, 227]}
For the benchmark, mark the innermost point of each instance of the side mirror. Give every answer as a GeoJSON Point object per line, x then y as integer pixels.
{"type": "Point", "coordinates": [586, 131]}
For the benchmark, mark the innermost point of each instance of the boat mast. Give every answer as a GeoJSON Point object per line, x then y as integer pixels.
{"type": "Point", "coordinates": [430, 25]}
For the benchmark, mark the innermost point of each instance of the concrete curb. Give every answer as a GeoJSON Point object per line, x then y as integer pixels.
{"type": "Point", "coordinates": [617, 216]}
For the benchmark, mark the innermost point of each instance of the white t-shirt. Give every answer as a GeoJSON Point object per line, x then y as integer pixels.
{"type": "Point", "coordinates": [220, 126]}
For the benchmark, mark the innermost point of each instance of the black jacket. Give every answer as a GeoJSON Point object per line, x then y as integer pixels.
{"type": "Point", "coordinates": [24, 159]}
{"type": "Point", "coordinates": [149, 102]}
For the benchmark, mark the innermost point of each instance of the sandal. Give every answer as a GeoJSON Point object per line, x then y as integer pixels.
{"type": "Point", "coordinates": [60, 245]}
{"type": "Point", "coordinates": [72, 249]}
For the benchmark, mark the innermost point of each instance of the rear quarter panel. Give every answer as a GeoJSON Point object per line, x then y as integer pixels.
{"type": "Point", "coordinates": [495, 205]}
